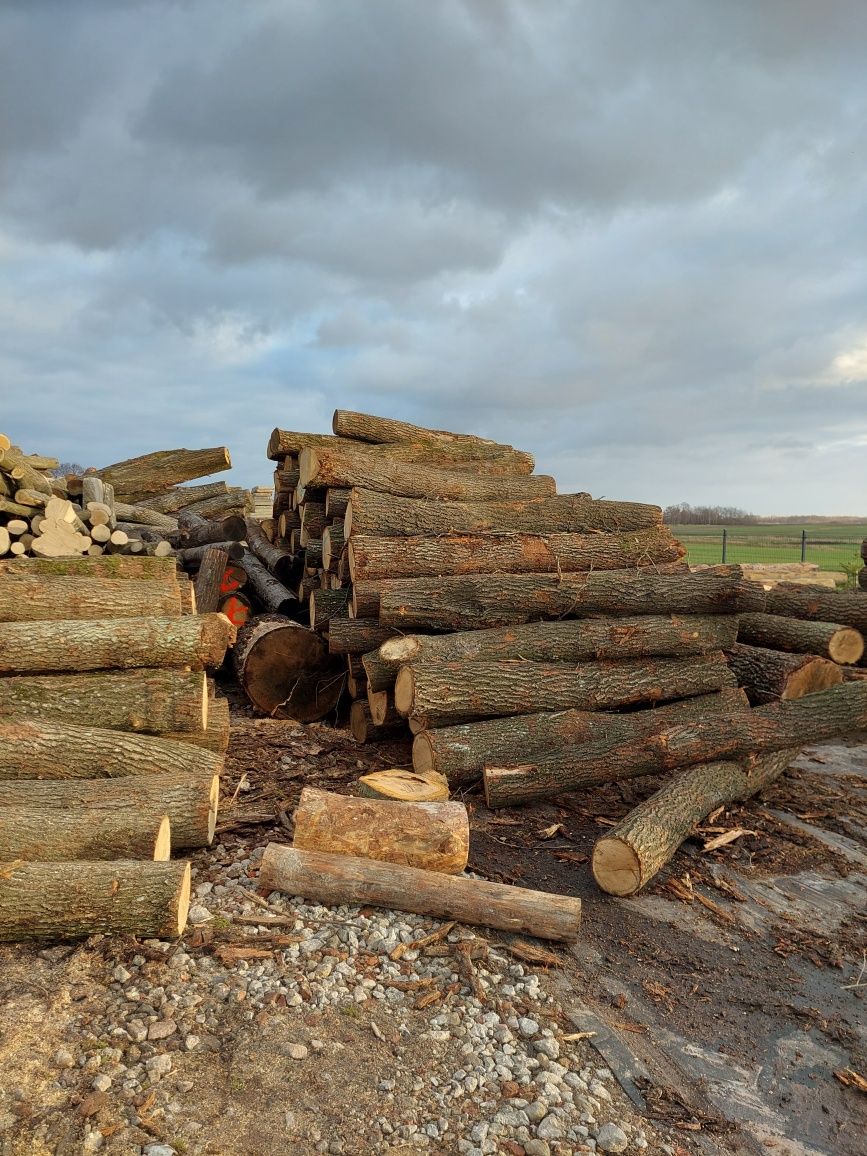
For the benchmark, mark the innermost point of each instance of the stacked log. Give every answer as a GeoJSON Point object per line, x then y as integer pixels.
{"type": "Point", "coordinates": [862, 573]}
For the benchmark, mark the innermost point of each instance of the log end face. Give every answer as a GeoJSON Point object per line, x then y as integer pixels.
{"type": "Point", "coordinates": [814, 676]}
{"type": "Point", "coordinates": [616, 867]}
{"type": "Point", "coordinates": [183, 904]}
{"type": "Point", "coordinates": [163, 840]}
{"type": "Point", "coordinates": [398, 650]}
{"type": "Point", "coordinates": [847, 646]}
{"type": "Point", "coordinates": [213, 807]}
{"type": "Point", "coordinates": [422, 754]}
{"type": "Point", "coordinates": [404, 691]}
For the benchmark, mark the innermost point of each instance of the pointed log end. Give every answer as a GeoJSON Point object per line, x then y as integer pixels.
{"type": "Point", "coordinates": [616, 867]}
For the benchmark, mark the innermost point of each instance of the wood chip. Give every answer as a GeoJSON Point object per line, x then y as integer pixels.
{"type": "Point", "coordinates": [851, 1079]}
{"type": "Point", "coordinates": [571, 1037]}
{"type": "Point", "coordinates": [726, 838]}
{"type": "Point", "coordinates": [530, 953]}
{"type": "Point", "coordinates": [429, 997]}
{"type": "Point", "coordinates": [550, 832]}
{"type": "Point", "coordinates": [415, 944]}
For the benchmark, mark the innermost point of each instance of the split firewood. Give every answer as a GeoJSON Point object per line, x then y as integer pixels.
{"type": "Point", "coordinates": [14, 463]}
{"type": "Point", "coordinates": [405, 786]}
{"type": "Point", "coordinates": [770, 675]}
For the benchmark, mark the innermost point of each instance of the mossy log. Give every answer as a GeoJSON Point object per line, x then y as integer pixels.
{"type": "Point", "coordinates": [106, 566]}
{"type": "Point", "coordinates": [799, 636]}
{"type": "Point", "coordinates": [151, 474]}
{"type": "Point", "coordinates": [769, 675]}
{"type": "Point", "coordinates": [44, 834]}
{"type": "Point", "coordinates": [39, 598]}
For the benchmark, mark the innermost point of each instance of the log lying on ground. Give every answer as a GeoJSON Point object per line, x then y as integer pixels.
{"type": "Point", "coordinates": [209, 580]}
{"type": "Point", "coordinates": [271, 593]}
{"type": "Point", "coordinates": [819, 604]}
{"type": "Point", "coordinates": [461, 752]}
{"type": "Point", "coordinates": [154, 701]}
{"type": "Point", "coordinates": [216, 737]}
{"type": "Point", "coordinates": [37, 598]}
{"type": "Point", "coordinates": [478, 600]}
{"type": "Point", "coordinates": [177, 499]}
{"type": "Point", "coordinates": [839, 711]}
{"type": "Point", "coordinates": [349, 879]}
{"type": "Point", "coordinates": [387, 431]}
{"type": "Point", "coordinates": [151, 474]}
{"type": "Point", "coordinates": [365, 730]}
{"type": "Point", "coordinates": [628, 856]}
{"type": "Point", "coordinates": [197, 641]}
{"type": "Point", "coordinates": [33, 832]}
{"type": "Point", "coordinates": [193, 531]}
{"type": "Point", "coordinates": [443, 693]}
{"type": "Point", "coordinates": [434, 836]}
{"type": "Point", "coordinates": [278, 559]}
{"type": "Point", "coordinates": [574, 640]}
{"type": "Point", "coordinates": [37, 749]}
{"type": "Point", "coordinates": [108, 566]}
{"type": "Point", "coordinates": [357, 635]}
{"type": "Point", "coordinates": [73, 900]}
{"type": "Point", "coordinates": [798, 636]}
{"type": "Point", "coordinates": [370, 512]}
{"type": "Point", "coordinates": [372, 557]}
{"type": "Point", "coordinates": [190, 801]}
{"type": "Point", "coordinates": [768, 675]}
{"type": "Point", "coordinates": [285, 669]}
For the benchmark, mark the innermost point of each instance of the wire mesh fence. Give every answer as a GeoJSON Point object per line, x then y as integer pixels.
{"type": "Point", "coordinates": [709, 545]}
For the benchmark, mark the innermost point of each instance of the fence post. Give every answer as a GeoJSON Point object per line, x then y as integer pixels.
{"type": "Point", "coordinates": [725, 541]}
{"type": "Point", "coordinates": [803, 545]}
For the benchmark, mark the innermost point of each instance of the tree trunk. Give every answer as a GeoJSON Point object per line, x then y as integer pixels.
{"type": "Point", "coordinates": [474, 601]}
{"type": "Point", "coordinates": [155, 701]}
{"type": "Point", "coordinates": [142, 516]}
{"type": "Point", "coordinates": [327, 605]}
{"type": "Point", "coordinates": [433, 836]}
{"type": "Point", "coordinates": [628, 856]}
{"type": "Point", "coordinates": [839, 643]}
{"type": "Point", "coordinates": [37, 598]}
{"type": "Point", "coordinates": [14, 463]}
{"type": "Point", "coordinates": [778, 726]}
{"type": "Point", "coordinates": [284, 442]}
{"type": "Point", "coordinates": [313, 554]}
{"type": "Point", "coordinates": [285, 669]}
{"type": "Point", "coordinates": [370, 512]}
{"type": "Point", "coordinates": [180, 497]}
{"type": "Point", "coordinates": [373, 557]}
{"type": "Point", "coordinates": [769, 675]}
{"type": "Point", "coordinates": [818, 604]}
{"type": "Point", "coordinates": [380, 675]}
{"type": "Point", "coordinates": [461, 752]}
{"type": "Point", "coordinates": [415, 479]}
{"type": "Point", "coordinates": [74, 900]}
{"type": "Point", "coordinates": [364, 730]}
{"type": "Point", "coordinates": [192, 557]}
{"type": "Point", "coordinates": [336, 501]}
{"type": "Point", "coordinates": [273, 595]}
{"type": "Point", "coordinates": [332, 547]}
{"type": "Point", "coordinates": [441, 694]}
{"type": "Point", "coordinates": [387, 431]}
{"type": "Point", "coordinates": [356, 635]}
{"type": "Point", "coordinates": [279, 560]}
{"type": "Point", "coordinates": [30, 831]}
{"type": "Point", "coordinates": [575, 640]}
{"type": "Point", "coordinates": [204, 533]}
{"type": "Point", "coordinates": [216, 737]}
{"type": "Point", "coordinates": [151, 474]}
{"type": "Point", "coordinates": [209, 581]}
{"type": "Point", "coordinates": [236, 502]}
{"type": "Point", "coordinates": [114, 566]}
{"type": "Point", "coordinates": [351, 880]}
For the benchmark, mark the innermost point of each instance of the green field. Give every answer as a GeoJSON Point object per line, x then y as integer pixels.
{"type": "Point", "coordinates": [832, 546]}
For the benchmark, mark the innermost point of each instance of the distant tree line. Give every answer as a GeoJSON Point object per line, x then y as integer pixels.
{"type": "Point", "coordinates": [686, 515]}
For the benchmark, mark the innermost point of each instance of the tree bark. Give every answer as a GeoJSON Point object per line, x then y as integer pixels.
{"type": "Point", "coordinates": [839, 711]}
{"type": "Point", "coordinates": [236, 502]}
{"type": "Point", "coordinates": [193, 556]}
{"type": "Point", "coordinates": [816, 603]}
{"type": "Point", "coordinates": [216, 737]}
{"type": "Point", "coordinates": [441, 694]}
{"type": "Point", "coordinates": [461, 752]}
{"type": "Point", "coordinates": [197, 641]}
{"type": "Point", "coordinates": [114, 566]}
{"type": "Point", "coordinates": [382, 708]}
{"type": "Point", "coordinates": [151, 474]}
{"type": "Point", "coordinates": [142, 516]}
{"type": "Point", "coordinates": [356, 635]}
{"type": "Point", "coordinates": [312, 522]}
{"type": "Point", "coordinates": [433, 836]}
{"type": "Point", "coordinates": [285, 669]}
{"type": "Point", "coordinates": [279, 560]}
{"type": "Point", "coordinates": [769, 675]}
{"type": "Point", "coordinates": [574, 640]}
{"type": "Point", "coordinates": [628, 856]}
{"type": "Point", "coordinates": [30, 831]}
{"type": "Point", "coordinates": [209, 580]}
{"type": "Point", "coordinates": [284, 442]}
{"type": "Point", "coordinates": [204, 533]}
{"type": "Point", "coordinates": [326, 605]}
{"type": "Point", "coordinates": [14, 463]}
{"type": "Point", "coordinates": [313, 554]}
{"type": "Point", "coordinates": [370, 512]}
{"type": "Point", "coordinates": [74, 900]}
{"type": "Point", "coordinates": [180, 497]}
{"type": "Point", "coordinates": [273, 595]}
{"type": "Point", "coordinates": [37, 598]}
{"type": "Point", "coordinates": [349, 879]}
{"type": "Point", "coordinates": [365, 730]}
{"type": "Point", "coordinates": [155, 701]}
{"type": "Point", "coordinates": [336, 501]}
{"type": "Point", "coordinates": [387, 431]}
{"type": "Point", "coordinates": [332, 547]}
{"type": "Point", "coordinates": [474, 601]}
{"type": "Point", "coordinates": [380, 675]}
{"type": "Point", "coordinates": [828, 639]}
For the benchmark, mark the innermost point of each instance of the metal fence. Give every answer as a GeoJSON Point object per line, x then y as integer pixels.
{"type": "Point", "coordinates": [723, 544]}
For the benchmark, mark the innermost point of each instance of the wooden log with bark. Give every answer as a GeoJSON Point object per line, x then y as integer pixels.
{"type": "Point", "coordinates": [627, 857]}
{"type": "Point", "coordinates": [48, 835]}
{"type": "Point", "coordinates": [382, 709]}
{"type": "Point", "coordinates": [433, 836]}
{"type": "Point", "coordinates": [366, 427]}
{"type": "Point", "coordinates": [818, 604]}
{"type": "Point", "coordinates": [841, 644]}
{"type": "Point", "coordinates": [192, 557]}
{"type": "Point", "coordinates": [236, 502]}
{"type": "Point", "coordinates": [194, 530]}
{"type": "Point", "coordinates": [209, 580]}
{"type": "Point", "coordinates": [352, 880]}
{"type": "Point", "coordinates": [285, 669]}
{"type": "Point", "coordinates": [114, 566]}
{"type": "Point", "coordinates": [273, 595]}
{"type": "Point", "coordinates": [357, 635]}
{"type": "Point", "coordinates": [365, 730]}
{"type": "Point", "coordinates": [332, 546]}
{"type": "Point", "coordinates": [151, 474]}
{"type": "Point", "coordinates": [769, 675]}
{"type": "Point", "coordinates": [143, 516]}
{"type": "Point", "coordinates": [380, 675]}
{"type": "Point", "coordinates": [73, 900]}
{"type": "Point", "coordinates": [179, 497]}
{"type": "Point", "coordinates": [279, 560]}
{"type": "Point", "coordinates": [336, 501]}
{"type": "Point", "coordinates": [15, 464]}
{"type": "Point", "coordinates": [39, 598]}
{"type": "Point", "coordinates": [312, 522]}
{"type": "Point", "coordinates": [326, 605]}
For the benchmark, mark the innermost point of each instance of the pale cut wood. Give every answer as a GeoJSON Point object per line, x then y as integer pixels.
{"type": "Point", "coordinates": [14, 463]}
{"type": "Point", "coordinates": [17, 549]}
{"type": "Point", "coordinates": [154, 473]}
{"type": "Point", "coordinates": [404, 786]}
{"type": "Point", "coordinates": [349, 879]}
{"type": "Point", "coordinates": [41, 463]}
{"type": "Point", "coordinates": [799, 636]}
{"type": "Point", "coordinates": [36, 598]}
{"type": "Point", "coordinates": [73, 900]}
{"type": "Point", "coordinates": [768, 675]}
{"type": "Point", "coordinates": [15, 527]}
{"type": "Point", "coordinates": [4, 541]}
{"type": "Point", "coordinates": [45, 834]}
{"type": "Point", "coordinates": [33, 498]}
{"type": "Point", "coordinates": [16, 509]}
{"type": "Point", "coordinates": [100, 534]}
{"type": "Point", "coordinates": [116, 566]}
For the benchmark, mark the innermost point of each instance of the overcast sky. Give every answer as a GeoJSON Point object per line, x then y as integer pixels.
{"type": "Point", "coordinates": [630, 237]}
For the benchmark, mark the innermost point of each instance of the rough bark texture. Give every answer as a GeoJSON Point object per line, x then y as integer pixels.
{"type": "Point", "coordinates": [197, 641]}
{"type": "Point", "coordinates": [798, 636]}
{"type": "Point", "coordinates": [37, 598]}
{"type": "Point", "coordinates": [327, 605]}
{"type": "Point", "coordinates": [434, 836]}
{"type": "Point", "coordinates": [365, 730]}
{"type": "Point", "coordinates": [574, 640]}
{"type": "Point", "coordinates": [461, 752]}
{"type": "Point", "coordinates": [312, 522]}
{"type": "Point", "coordinates": [819, 604]}
{"type": "Point", "coordinates": [180, 497]}
{"type": "Point", "coordinates": [332, 546]}
{"type": "Point", "coordinates": [474, 601]}
{"type": "Point", "coordinates": [73, 900]}
{"type": "Point", "coordinates": [339, 879]}
{"type": "Point", "coordinates": [273, 595]}
{"type": "Point", "coordinates": [155, 701]}
{"type": "Point", "coordinates": [144, 516]}
{"type": "Point", "coordinates": [216, 737]}
{"type": "Point", "coordinates": [380, 675]}
{"type": "Point", "coordinates": [285, 669]}
{"type": "Point", "coordinates": [356, 635]}
{"type": "Point", "coordinates": [150, 474]}
{"type": "Point", "coordinates": [278, 559]}
{"type": "Point", "coordinates": [842, 710]}
{"type": "Point", "coordinates": [382, 709]}
{"type": "Point", "coordinates": [237, 502]}
{"type": "Point", "coordinates": [284, 442]}
{"type": "Point", "coordinates": [441, 694]}
{"type": "Point", "coordinates": [209, 580]}
{"type": "Point", "coordinates": [193, 556]}
{"type": "Point", "coordinates": [34, 832]}
{"type": "Point", "coordinates": [203, 533]}
{"type": "Point", "coordinates": [107, 566]}
{"type": "Point", "coordinates": [336, 502]}
{"type": "Point", "coordinates": [768, 675]}
{"type": "Point", "coordinates": [370, 512]}
{"type": "Point", "coordinates": [629, 856]}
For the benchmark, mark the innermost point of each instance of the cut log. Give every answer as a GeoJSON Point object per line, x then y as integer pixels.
{"type": "Point", "coordinates": [285, 669]}
{"type": "Point", "coordinates": [209, 580]}
{"type": "Point", "coordinates": [33, 832]}
{"type": "Point", "coordinates": [336, 502]}
{"type": "Point", "coordinates": [798, 636]}
{"type": "Point", "coordinates": [818, 604]}
{"type": "Point", "coordinates": [364, 730]}
{"type": "Point", "coordinates": [357, 635]}
{"type": "Point", "coordinates": [237, 608]}
{"type": "Point", "coordinates": [151, 474]}
{"type": "Point", "coordinates": [188, 594]}
{"type": "Point", "coordinates": [14, 463]}
{"type": "Point", "coordinates": [312, 522]}
{"type": "Point", "coordinates": [269, 528]}
{"type": "Point", "coordinates": [326, 605]}
{"type": "Point", "coordinates": [441, 694]}
{"type": "Point", "coordinates": [778, 726]}
{"type": "Point", "coordinates": [37, 598]}
{"type": "Point", "coordinates": [478, 600]}
{"type": "Point", "coordinates": [382, 708]}
{"type": "Point", "coordinates": [16, 509]}
{"type": "Point", "coordinates": [349, 879]}
{"type": "Point", "coordinates": [332, 546]}
{"type": "Point", "coordinates": [628, 857]}
{"type": "Point", "coordinates": [313, 555]}
{"type": "Point", "coordinates": [235, 502]}
{"type": "Point", "coordinates": [174, 500]}
{"type": "Point", "coordinates": [380, 675]}
{"type": "Point", "coordinates": [216, 737]}
{"type": "Point", "coordinates": [575, 640]}
{"type": "Point", "coordinates": [33, 498]}
{"type": "Point", "coordinates": [278, 559]}
{"type": "Point", "coordinates": [383, 430]}
{"type": "Point", "coordinates": [433, 836]}
{"type": "Point", "coordinates": [461, 752]}
{"type": "Point", "coordinates": [273, 595]}
{"type": "Point", "coordinates": [769, 675]}
{"type": "Point", "coordinates": [404, 786]}
{"type": "Point", "coordinates": [190, 801]}
{"type": "Point", "coordinates": [197, 641]}
{"type": "Point", "coordinates": [4, 541]}
{"type": "Point", "coordinates": [372, 557]}
{"type": "Point", "coordinates": [74, 900]}
{"type": "Point", "coordinates": [203, 533]}
{"type": "Point", "coordinates": [370, 512]}
{"type": "Point", "coordinates": [142, 516]}
{"type": "Point", "coordinates": [115, 566]}
{"type": "Point", "coordinates": [192, 556]}
{"type": "Point", "coordinates": [154, 701]}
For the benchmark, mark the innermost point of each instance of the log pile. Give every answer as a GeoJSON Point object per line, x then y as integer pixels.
{"type": "Point", "coordinates": [862, 573]}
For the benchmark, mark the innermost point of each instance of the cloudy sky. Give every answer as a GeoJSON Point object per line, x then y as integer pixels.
{"type": "Point", "coordinates": [629, 237]}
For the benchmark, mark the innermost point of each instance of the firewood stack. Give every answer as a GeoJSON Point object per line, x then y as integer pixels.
{"type": "Point", "coordinates": [112, 744]}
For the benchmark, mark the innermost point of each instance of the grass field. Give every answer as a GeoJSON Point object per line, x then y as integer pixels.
{"type": "Point", "coordinates": [832, 546]}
